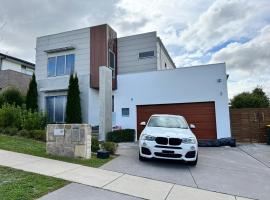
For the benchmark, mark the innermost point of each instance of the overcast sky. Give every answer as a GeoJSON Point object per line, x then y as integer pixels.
{"type": "Point", "coordinates": [195, 32]}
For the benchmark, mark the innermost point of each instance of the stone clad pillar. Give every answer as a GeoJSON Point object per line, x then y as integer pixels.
{"type": "Point", "coordinates": [105, 101]}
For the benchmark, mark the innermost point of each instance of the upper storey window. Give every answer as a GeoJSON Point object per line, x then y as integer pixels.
{"type": "Point", "coordinates": [61, 65]}
{"type": "Point", "coordinates": [112, 62]}
{"type": "Point", "coordinates": [146, 54]}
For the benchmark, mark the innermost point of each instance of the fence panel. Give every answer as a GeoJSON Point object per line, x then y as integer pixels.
{"type": "Point", "coordinates": [249, 124]}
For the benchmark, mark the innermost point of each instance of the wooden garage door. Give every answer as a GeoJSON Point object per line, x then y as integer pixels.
{"type": "Point", "coordinates": [201, 114]}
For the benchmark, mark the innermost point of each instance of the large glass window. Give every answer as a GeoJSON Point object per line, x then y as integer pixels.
{"type": "Point", "coordinates": [50, 108]}
{"type": "Point", "coordinates": [56, 108]}
{"type": "Point", "coordinates": [61, 65]}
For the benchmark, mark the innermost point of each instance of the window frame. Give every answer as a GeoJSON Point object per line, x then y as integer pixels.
{"type": "Point", "coordinates": [125, 115]}
{"type": "Point", "coordinates": [65, 65]}
{"type": "Point", "coordinates": [114, 62]}
{"type": "Point", "coordinates": [145, 57]}
{"type": "Point", "coordinates": [54, 103]}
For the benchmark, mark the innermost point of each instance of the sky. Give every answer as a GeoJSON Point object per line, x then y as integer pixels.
{"type": "Point", "coordinates": [236, 32]}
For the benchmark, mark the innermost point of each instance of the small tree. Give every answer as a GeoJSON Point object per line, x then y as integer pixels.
{"type": "Point", "coordinates": [32, 95]}
{"type": "Point", "coordinates": [256, 99]}
{"type": "Point", "coordinates": [12, 96]}
{"type": "Point", "coordinates": [73, 108]}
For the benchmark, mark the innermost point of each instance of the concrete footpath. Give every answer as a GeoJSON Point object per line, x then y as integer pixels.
{"type": "Point", "coordinates": [108, 180]}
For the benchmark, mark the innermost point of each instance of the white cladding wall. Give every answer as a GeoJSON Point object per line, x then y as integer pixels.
{"type": "Point", "coordinates": [181, 85]}
{"type": "Point", "coordinates": [128, 53]}
{"type": "Point", "coordinates": [6, 64]}
{"type": "Point", "coordinates": [15, 66]}
{"type": "Point", "coordinates": [80, 39]}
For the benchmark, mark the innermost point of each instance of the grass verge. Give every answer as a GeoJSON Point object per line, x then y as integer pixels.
{"type": "Point", "coordinates": [20, 185]}
{"type": "Point", "coordinates": [37, 148]}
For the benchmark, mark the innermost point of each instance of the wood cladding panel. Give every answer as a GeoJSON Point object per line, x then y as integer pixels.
{"type": "Point", "coordinates": [102, 38]}
{"type": "Point", "coordinates": [249, 124]}
{"type": "Point", "coordinates": [98, 53]}
{"type": "Point", "coordinates": [201, 114]}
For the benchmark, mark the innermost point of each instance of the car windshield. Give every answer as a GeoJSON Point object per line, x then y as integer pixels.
{"type": "Point", "coordinates": [167, 122]}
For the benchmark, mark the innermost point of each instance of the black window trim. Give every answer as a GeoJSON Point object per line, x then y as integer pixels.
{"type": "Point", "coordinates": [144, 57]}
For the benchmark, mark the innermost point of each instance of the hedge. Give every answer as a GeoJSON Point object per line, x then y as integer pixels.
{"type": "Point", "coordinates": [33, 134]}
{"type": "Point", "coordinates": [124, 135]}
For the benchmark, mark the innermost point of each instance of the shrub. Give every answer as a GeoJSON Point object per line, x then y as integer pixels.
{"type": "Point", "coordinates": [124, 135]}
{"type": "Point", "coordinates": [12, 96]}
{"type": "Point", "coordinates": [33, 120]}
{"type": "Point", "coordinates": [2, 130]}
{"type": "Point", "coordinates": [2, 101]}
{"type": "Point", "coordinates": [24, 133]}
{"type": "Point", "coordinates": [38, 135]}
{"type": "Point", "coordinates": [109, 146]}
{"type": "Point", "coordinates": [11, 131]}
{"type": "Point", "coordinates": [19, 117]}
{"type": "Point", "coordinates": [10, 116]}
{"type": "Point", "coordinates": [94, 144]}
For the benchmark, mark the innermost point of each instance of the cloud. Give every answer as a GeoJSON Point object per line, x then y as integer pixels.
{"type": "Point", "coordinates": [195, 32]}
{"type": "Point", "coordinates": [248, 61]}
{"type": "Point", "coordinates": [26, 20]}
{"type": "Point", "coordinates": [253, 56]}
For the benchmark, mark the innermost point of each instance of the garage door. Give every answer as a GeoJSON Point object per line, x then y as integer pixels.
{"type": "Point", "coordinates": [201, 114]}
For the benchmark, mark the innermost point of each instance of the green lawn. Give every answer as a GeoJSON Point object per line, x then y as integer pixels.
{"type": "Point", "coordinates": [33, 147]}
{"type": "Point", "coordinates": [20, 185]}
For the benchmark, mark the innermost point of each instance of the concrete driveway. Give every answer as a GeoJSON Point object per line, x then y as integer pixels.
{"type": "Point", "coordinates": [242, 171]}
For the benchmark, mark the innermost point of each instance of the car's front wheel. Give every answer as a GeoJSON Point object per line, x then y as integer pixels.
{"type": "Point", "coordinates": [193, 163]}
{"type": "Point", "coordinates": [141, 158]}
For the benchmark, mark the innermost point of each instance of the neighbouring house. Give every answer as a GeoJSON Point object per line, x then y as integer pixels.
{"type": "Point", "coordinates": [145, 80]}
{"type": "Point", "coordinates": [15, 72]}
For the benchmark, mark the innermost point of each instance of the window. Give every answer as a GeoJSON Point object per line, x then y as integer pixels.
{"type": "Point", "coordinates": [112, 103]}
{"type": "Point", "coordinates": [125, 112]}
{"type": "Point", "coordinates": [56, 108]}
{"type": "Point", "coordinates": [165, 65]}
{"type": "Point", "coordinates": [70, 60]}
{"type": "Point", "coordinates": [146, 54]}
{"type": "Point", "coordinates": [51, 66]}
{"type": "Point", "coordinates": [112, 62]}
{"type": "Point", "coordinates": [61, 65]}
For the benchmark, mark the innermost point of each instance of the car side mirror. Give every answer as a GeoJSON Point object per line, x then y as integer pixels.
{"type": "Point", "coordinates": [142, 123]}
{"type": "Point", "coordinates": [192, 126]}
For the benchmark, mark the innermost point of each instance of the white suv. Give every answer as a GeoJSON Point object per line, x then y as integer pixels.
{"type": "Point", "coordinates": [168, 137]}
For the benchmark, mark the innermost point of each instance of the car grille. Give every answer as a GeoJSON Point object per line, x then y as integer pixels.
{"type": "Point", "coordinates": [175, 141]}
{"type": "Point", "coordinates": [168, 155]}
{"type": "Point", "coordinates": [170, 141]}
{"type": "Point", "coordinates": [162, 140]}
{"type": "Point", "coordinates": [167, 147]}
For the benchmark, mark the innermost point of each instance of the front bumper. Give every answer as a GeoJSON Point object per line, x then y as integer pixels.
{"type": "Point", "coordinates": [186, 152]}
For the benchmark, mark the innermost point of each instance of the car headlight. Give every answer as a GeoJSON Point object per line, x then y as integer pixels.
{"type": "Point", "coordinates": [148, 137]}
{"type": "Point", "coordinates": [189, 140]}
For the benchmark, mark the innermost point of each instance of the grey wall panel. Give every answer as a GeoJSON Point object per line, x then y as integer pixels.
{"type": "Point", "coordinates": [128, 53]}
